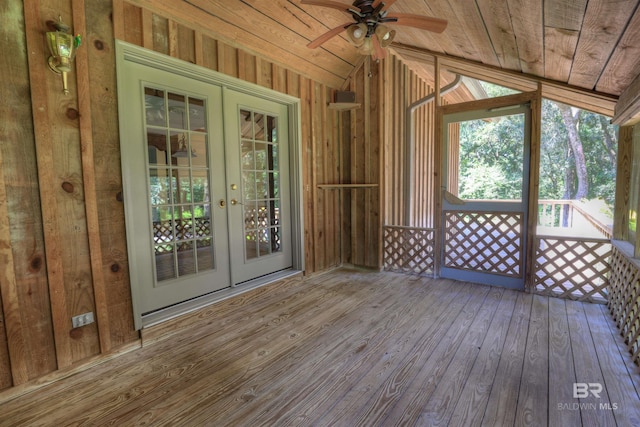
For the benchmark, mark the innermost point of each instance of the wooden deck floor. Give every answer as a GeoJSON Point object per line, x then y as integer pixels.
{"type": "Point", "coordinates": [355, 348]}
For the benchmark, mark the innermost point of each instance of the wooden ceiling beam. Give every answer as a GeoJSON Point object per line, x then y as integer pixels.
{"type": "Point", "coordinates": [589, 100]}
{"type": "Point", "coordinates": [627, 111]}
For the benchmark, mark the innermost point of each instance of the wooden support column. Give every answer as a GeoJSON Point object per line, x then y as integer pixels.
{"type": "Point", "coordinates": [534, 187]}
{"type": "Point", "coordinates": [437, 170]}
{"type": "Point", "coordinates": [623, 183]}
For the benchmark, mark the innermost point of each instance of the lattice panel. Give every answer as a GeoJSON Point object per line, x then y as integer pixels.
{"type": "Point", "coordinates": [624, 300]}
{"type": "Point", "coordinates": [484, 241]}
{"type": "Point", "coordinates": [572, 268]}
{"type": "Point", "coordinates": [163, 232]}
{"type": "Point", "coordinates": [409, 249]}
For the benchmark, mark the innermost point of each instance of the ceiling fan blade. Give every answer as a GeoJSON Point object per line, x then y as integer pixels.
{"type": "Point", "coordinates": [327, 3]}
{"type": "Point", "coordinates": [387, 3]}
{"type": "Point", "coordinates": [326, 36]}
{"type": "Point", "coordinates": [417, 21]}
{"type": "Point", "coordinates": [378, 51]}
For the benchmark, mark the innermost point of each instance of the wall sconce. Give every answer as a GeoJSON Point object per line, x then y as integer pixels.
{"type": "Point", "coordinates": [62, 45]}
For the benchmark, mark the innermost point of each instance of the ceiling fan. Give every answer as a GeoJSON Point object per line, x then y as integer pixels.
{"type": "Point", "coordinates": [369, 31]}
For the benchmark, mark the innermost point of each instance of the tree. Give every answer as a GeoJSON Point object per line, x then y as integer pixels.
{"type": "Point", "coordinates": [570, 117]}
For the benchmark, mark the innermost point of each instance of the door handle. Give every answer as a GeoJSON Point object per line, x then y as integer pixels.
{"type": "Point", "coordinates": [235, 202]}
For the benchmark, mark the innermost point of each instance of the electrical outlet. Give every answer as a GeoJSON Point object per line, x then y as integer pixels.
{"type": "Point", "coordinates": [82, 319]}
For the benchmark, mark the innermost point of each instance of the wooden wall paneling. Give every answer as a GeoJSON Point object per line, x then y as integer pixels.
{"type": "Point", "coordinates": [383, 121]}
{"type": "Point", "coordinates": [357, 165]}
{"type": "Point", "coordinates": [315, 137]}
{"type": "Point", "coordinates": [13, 355]}
{"type": "Point", "coordinates": [279, 78]}
{"type": "Point", "coordinates": [30, 336]}
{"type": "Point", "coordinates": [6, 376]}
{"type": "Point", "coordinates": [365, 165]}
{"type": "Point", "coordinates": [346, 125]}
{"type": "Point", "coordinates": [373, 167]}
{"type": "Point", "coordinates": [134, 27]}
{"type": "Point", "coordinates": [334, 165]}
{"type": "Point", "coordinates": [328, 224]}
{"type": "Point", "coordinates": [118, 16]}
{"type": "Point", "coordinates": [305, 95]}
{"type": "Point", "coordinates": [264, 74]}
{"type": "Point", "coordinates": [198, 52]}
{"type": "Point", "coordinates": [61, 192]}
{"type": "Point", "coordinates": [186, 44]}
{"type": "Point", "coordinates": [161, 34]}
{"type": "Point", "coordinates": [147, 29]}
{"type": "Point", "coordinates": [623, 183]}
{"type": "Point", "coordinates": [89, 180]}
{"type": "Point", "coordinates": [43, 133]}
{"type": "Point", "coordinates": [248, 67]}
{"type": "Point", "coordinates": [209, 53]}
{"type": "Point", "coordinates": [437, 169]}
{"type": "Point", "coordinates": [100, 33]}
{"type": "Point", "coordinates": [419, 160]}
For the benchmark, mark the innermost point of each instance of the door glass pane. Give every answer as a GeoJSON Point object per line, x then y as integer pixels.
{"type": "Point", "coordinates": [198, 151]}
{"type": "Point", "coordinates": [197, 115]}
{"type": "Point", "coordinates": [260, 183]}
{"type": "Point", "coordinates": [155, 107]}
{"type": "Point", "coordinates": [177, 111]}
{"type": "Point", "coordinates": [157, 146]}
{"type": "Point", "coordinates": [179, 183]}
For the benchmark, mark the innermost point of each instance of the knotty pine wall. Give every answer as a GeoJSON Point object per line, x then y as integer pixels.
{"type": "Point", "coordinates": [62, 233]}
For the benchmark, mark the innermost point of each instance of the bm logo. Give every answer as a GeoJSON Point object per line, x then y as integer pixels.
{"type": "Point", "coordinates": [583, 390]}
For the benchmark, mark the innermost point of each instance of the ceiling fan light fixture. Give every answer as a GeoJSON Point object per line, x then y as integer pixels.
{"type": "Point", "coordinates": [357, 34]}
{"type": "Point", "coordinates": [385, 35]}
{"type": "Point", "coordinates": [366, 48]}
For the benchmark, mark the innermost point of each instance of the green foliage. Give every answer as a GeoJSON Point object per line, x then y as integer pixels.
{"type": "Point", "coordinates": [491, 166]}
{"type": "Point", "coordinates": [491, 155]}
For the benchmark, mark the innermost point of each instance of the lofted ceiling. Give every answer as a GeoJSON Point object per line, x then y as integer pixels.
{"type": "Point", "coordinates": [590, 44]}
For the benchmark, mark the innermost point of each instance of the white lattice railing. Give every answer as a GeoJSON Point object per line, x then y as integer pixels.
{"type": "Point", "coordinates": [409, 249]}
{"type": "Point", "coordinates": [572, 267]}
{"type": "Point", "coordinates": [624, 300]}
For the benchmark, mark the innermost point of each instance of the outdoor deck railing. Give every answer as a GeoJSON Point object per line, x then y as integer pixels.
{"type": "Point", "coordinates": [624, 297]}
{"type": "Point", "coordinates": [572, 252]}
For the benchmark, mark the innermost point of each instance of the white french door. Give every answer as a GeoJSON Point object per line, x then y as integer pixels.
{"type": "Point", "coordinates": [257, 137]}
{"type": "Point", "coordinates": [206, 184]}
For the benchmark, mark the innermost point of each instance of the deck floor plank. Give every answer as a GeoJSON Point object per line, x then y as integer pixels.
{"type": "Point", "coordinates": [562, 373]}
{"type": "Point", "coordinates": [587, 366]}
{"type": "Point", "coordinates": [506, 385]}
{"type": "Point", "coordinates": [352, 347]}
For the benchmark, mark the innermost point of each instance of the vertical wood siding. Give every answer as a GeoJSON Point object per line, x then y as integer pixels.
{"type": "Point", "coordinates": [62, 230]}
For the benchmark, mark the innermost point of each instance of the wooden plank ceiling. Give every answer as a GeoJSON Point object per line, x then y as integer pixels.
{"type": "Point", "coordinates": [590, 44]}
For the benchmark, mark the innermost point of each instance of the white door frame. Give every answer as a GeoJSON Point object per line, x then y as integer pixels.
{"type": "Point", "coordinates": [128, 52]}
